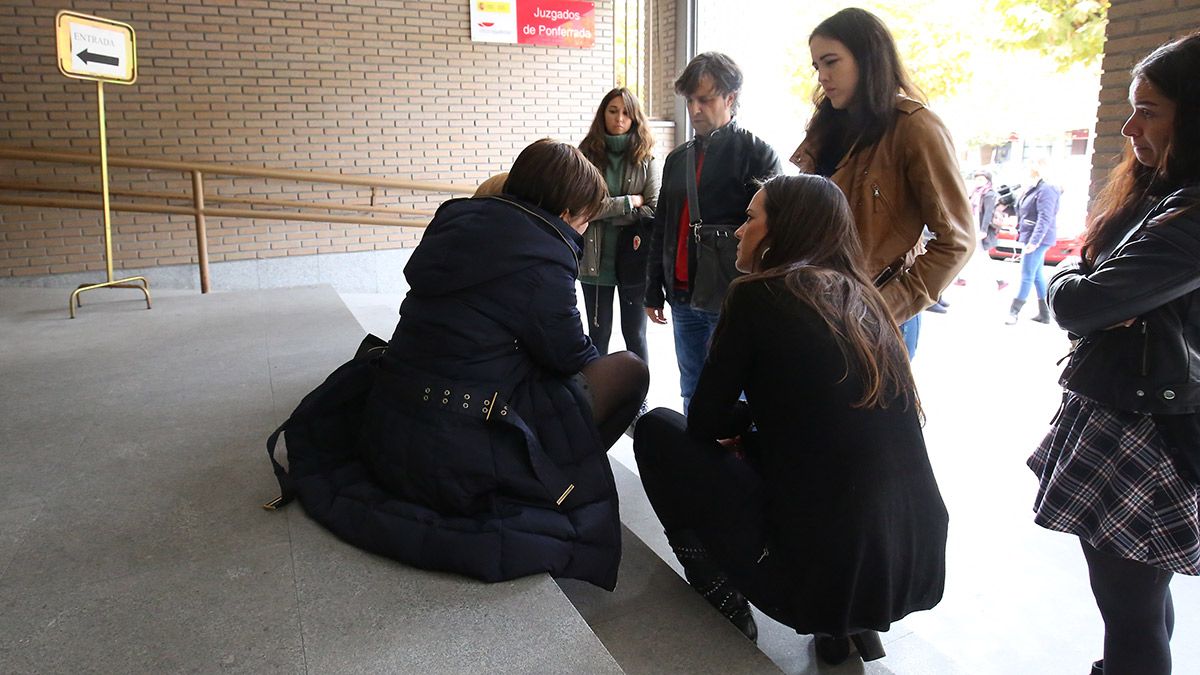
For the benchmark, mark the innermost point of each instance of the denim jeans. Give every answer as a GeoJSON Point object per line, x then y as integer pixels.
{"type": "Point", "coordinates": [911, 330]}
{"type": "Point", "coordinates": [693, 329]}
{"type": "Point", "coordinates": [1031, 272]}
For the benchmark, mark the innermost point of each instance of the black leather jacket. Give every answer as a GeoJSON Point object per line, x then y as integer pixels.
{"type": "Point", "coordinates": [1152, 366]}
{"type": "Point", "coordinates": [734, 161]}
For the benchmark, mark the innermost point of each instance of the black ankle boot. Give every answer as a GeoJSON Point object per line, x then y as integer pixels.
{"type": "Point", "coordinates": [1043, 315]}
{"type": "Point", "coordinates": [869, 646]}
{"type": "Point", "coordinates": [709, 581]}
{"type": "Point", "coordinates": [1098, 667]}
{"type": "Point", "coordinates": [834, 650]}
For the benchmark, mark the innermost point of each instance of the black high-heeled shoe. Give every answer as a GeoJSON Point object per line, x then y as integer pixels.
{"type": "Point", "coordinates": [835, 650]}
{"type": "Point", "coordinates": [708, 580]}
{"type": "Point", "coordinates": [869, 646]}
{"type": "Point", "coordinates": [832, 650]}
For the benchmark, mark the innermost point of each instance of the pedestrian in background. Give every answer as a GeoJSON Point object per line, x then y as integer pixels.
{"type": "Point", "coordinates": [1037, 229]}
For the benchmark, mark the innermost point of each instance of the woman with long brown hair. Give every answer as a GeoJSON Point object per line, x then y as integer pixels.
{"type": "Point", "coordinates": [620, 146]}
{"type": "Point", "coordinates": [873, 135]}
{"type": "Point", "coordinates": [1120, 467]}
{"type": "Point", "coordinates": [813, 498]}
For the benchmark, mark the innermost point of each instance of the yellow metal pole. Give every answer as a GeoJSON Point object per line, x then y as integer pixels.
{"type": "Point", "coordinates": [131, 282]}
{"type": "Point", "coordinates": [108, 256]}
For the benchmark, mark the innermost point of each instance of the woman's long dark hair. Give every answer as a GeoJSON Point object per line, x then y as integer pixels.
{"type": "Point", "coordinates": [813, 246]}
{"type": "Point", "coordinates": [1174, 70]}
{"type": "Point", "coordinates": [881, 77]}
{"type": "Point", "coordinates": [641, 142]}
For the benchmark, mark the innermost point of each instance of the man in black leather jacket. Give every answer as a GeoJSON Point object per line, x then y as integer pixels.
{"type": "Point", "coordinates": [729, 162]}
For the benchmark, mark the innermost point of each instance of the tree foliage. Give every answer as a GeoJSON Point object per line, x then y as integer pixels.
{"type": "Point", "coordinates": [930, 39]}
{"type": "Point", "coordinates": [1069, 31]}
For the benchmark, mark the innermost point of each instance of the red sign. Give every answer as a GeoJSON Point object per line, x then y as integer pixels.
{"type": "Point", "coordinates": [560, 23]}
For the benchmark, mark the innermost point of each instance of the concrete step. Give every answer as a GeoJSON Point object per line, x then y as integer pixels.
{"type": "Point", "coordinates": [131, 538]}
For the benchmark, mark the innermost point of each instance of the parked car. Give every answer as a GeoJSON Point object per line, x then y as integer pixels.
{"type": "Point", "coordinates": [1007, 247]}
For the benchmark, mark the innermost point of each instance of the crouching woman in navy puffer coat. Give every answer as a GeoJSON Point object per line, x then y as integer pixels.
{"type": "Point", "coordinates": [475, 442]}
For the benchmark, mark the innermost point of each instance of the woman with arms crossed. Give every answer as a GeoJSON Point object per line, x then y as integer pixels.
{"type": "Point", "coordinates": [619, 145]}
{"type": "Point", "coordinates": [1120, 467]}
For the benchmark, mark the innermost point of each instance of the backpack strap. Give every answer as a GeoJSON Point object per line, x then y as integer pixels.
{"type": "Point", "coordinates": [286, 491]}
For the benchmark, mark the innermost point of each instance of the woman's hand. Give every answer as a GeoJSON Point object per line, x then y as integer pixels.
{"type": "Point", "coordinates": [733, 445]}
{"type": "Point", "coordinates": [636, 201]}
{"type": "Point", "coordinates": [656, 314]}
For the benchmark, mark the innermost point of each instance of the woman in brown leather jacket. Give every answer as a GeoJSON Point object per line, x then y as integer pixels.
{"type": "Point", "coordinates": [1120, 468]}
{"type": "Point", "coordinates": [893, 158]}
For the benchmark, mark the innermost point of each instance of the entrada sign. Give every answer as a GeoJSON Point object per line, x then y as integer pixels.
{"type": "Point", "coordinates": [91, 48]}
{"type": "Point", "coordinates": [562, 23]}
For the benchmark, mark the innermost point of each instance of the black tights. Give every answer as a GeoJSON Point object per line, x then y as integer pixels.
{"type": "Point", "coordinates": [1139, 617]}
{"type": "Point", "coordinates": [597, 303]}
{"type": "Point", "coordinates": [618, 384]}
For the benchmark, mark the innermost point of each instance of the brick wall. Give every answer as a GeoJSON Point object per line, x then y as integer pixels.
{"type": "Point", "coordinates": [385, 88]}
{"type": "Point", "coordinates": [1135, 28]}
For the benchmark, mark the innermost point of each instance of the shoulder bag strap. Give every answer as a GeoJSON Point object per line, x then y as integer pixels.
{"type": "Point", "coordinates": [693, 200]}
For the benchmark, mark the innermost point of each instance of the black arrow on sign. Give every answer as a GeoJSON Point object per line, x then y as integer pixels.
{"type": "Point", "coordinates": [88, 57]}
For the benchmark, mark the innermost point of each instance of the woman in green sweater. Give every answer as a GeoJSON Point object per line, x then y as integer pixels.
{"type": "Point", "coordinates": [620, 145]}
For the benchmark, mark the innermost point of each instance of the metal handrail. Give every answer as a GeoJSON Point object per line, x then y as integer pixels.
{"type": "Point", "coordinates": [9, 152]}
{"type": "Point", "coordinates": [179, 196]}
{"type": "Point", "coordinates": [199, 210]}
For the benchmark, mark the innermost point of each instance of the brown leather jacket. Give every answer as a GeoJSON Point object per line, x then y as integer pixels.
{"type": "Point", "coordinates": [909, 180]}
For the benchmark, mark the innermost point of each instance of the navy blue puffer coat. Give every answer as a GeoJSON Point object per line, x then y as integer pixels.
{"type": "Point", "coordinates": [466, 447]}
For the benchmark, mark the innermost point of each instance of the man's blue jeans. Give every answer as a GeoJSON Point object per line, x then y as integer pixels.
{"type": "Point", "coordinates": [1031, 272]}
{"type": "Point", "coordinates": [693, 330]}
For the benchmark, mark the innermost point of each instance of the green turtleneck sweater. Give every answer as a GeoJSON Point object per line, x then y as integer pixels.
{"type": "Point", "coordinates": [614, 176]}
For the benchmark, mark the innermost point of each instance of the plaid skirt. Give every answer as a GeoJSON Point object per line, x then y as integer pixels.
{"type": "Point", "coordinates": [1106, 477]}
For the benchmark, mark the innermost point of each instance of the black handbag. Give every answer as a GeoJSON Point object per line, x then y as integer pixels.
{"type": "Point", "coordinates": [348, 382]}
{"type": "Point", "coordinates": [716, 250]}
{"type": "Point", "coordinates": [632, 254]}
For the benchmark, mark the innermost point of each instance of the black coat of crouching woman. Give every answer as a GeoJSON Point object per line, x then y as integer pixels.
{"type": "Point", "coordinates": [814, 498]}
{"type": "Point", "coordinates": [475, 441]}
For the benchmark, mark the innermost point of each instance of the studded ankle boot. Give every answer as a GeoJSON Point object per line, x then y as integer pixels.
{"type": "Point", "coordinates": [707, 579]}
